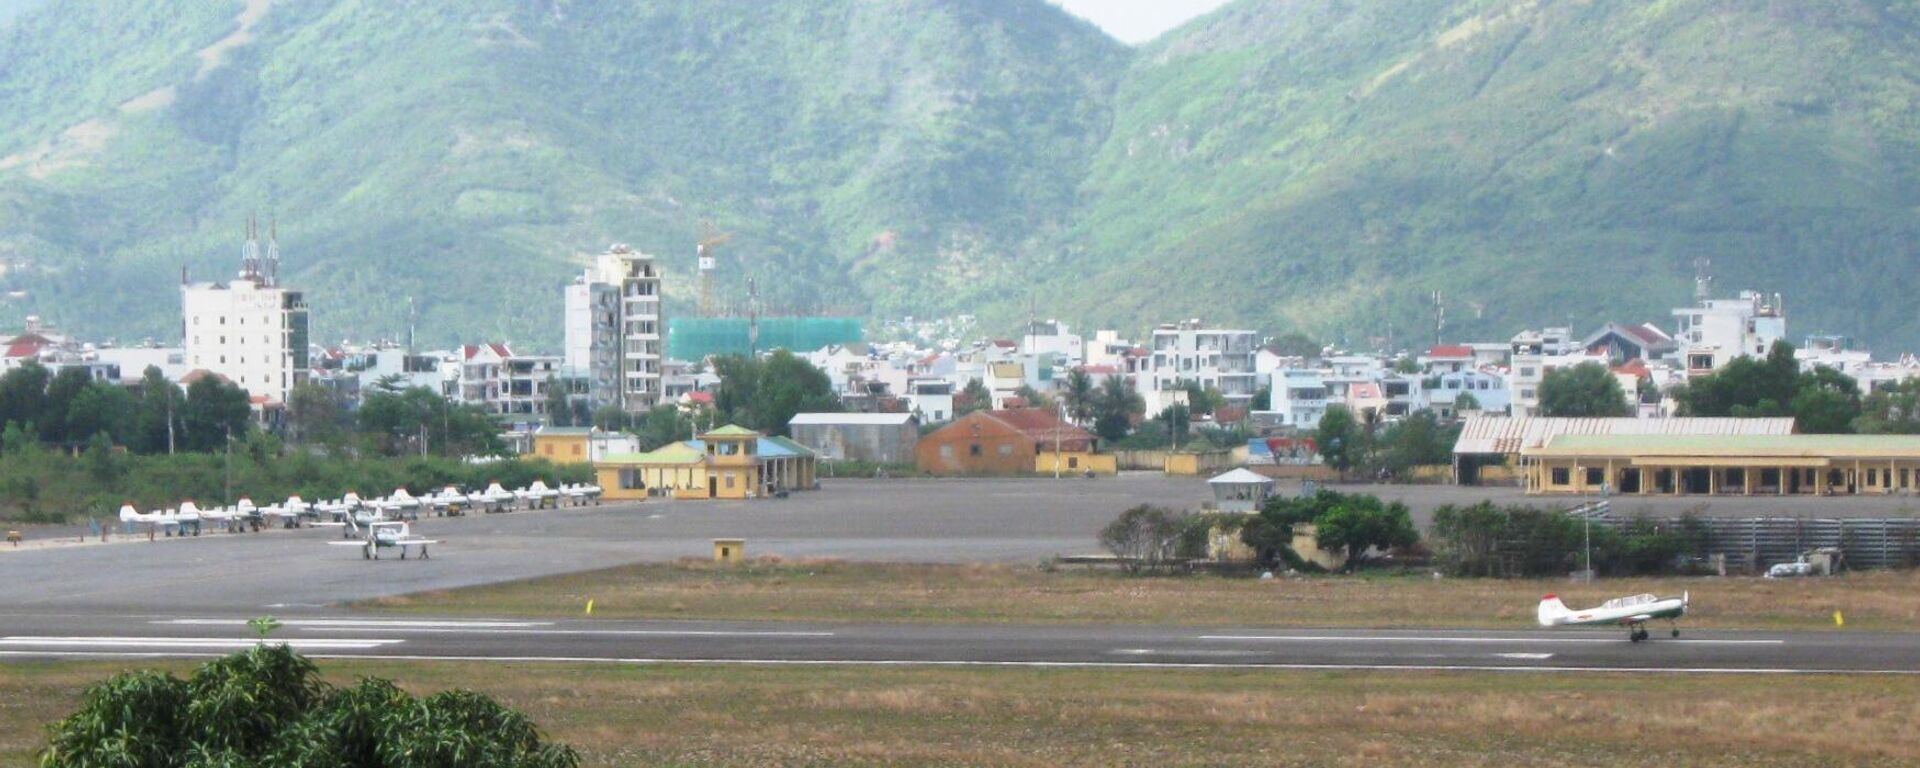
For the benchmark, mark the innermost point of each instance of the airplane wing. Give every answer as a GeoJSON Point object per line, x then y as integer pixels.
{"type": "Point", "coordinates": [354, 543]}
{"type": "Point", "coordinates": [1637, 619]}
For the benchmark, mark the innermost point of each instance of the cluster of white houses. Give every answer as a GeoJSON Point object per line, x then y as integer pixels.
{"type": "Point", "coordinates": [254, 331]}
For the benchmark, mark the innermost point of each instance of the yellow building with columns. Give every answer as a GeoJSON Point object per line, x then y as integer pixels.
{"type": "Point", "coordinates": [1724, 465]}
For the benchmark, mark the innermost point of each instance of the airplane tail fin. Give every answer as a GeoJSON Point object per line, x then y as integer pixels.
{"type": "Point", "coordinates": [1552, 610]}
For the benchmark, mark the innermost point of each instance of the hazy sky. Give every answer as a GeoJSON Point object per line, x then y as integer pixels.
{"type": "Point", "coordinates": [1137, 21]}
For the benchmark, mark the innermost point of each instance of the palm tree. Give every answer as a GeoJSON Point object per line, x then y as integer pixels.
{"type": "Point", "coordinates": [1114, 406]}
{"type": "Point", "coordinates": [1080, 396]}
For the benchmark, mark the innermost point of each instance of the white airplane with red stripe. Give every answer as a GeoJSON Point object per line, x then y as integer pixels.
{"type": "Point", "coordinates": [1632, 612]}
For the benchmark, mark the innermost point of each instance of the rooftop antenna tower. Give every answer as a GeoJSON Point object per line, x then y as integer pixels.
{"type": "Point", "coordinates": [250, 252]}
{"type": "Point", "coordinates": [273, 252]}
{"type": "Point", "coordinates": [1702, 279]}
{"type": "Point", "coordinates": [710, 241]}
{"type": "Point", "coordinates": [1439, 318]}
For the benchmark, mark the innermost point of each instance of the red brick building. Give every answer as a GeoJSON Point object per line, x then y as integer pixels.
{"type": "Point", "coordinates": [999, 442]}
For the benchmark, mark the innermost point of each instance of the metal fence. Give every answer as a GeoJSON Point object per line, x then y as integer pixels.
{"type": "Point", "coordinates": [1753, 543]}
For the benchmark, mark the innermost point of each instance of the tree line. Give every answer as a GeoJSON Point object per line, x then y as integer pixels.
{"type": "Point", "coordinates": [68, 409]}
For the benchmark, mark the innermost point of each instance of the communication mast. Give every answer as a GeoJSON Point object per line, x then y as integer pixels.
{"type": "Point", "coordinates": [1702, 280]}
{"type": "Point", "coordinates": [710, 241]}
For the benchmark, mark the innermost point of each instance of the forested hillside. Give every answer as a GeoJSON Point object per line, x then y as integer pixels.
{"type": "Point", "coordinates": [1317, 165]}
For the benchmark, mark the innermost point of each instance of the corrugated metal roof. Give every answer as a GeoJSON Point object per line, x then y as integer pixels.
{"type": "Point", "coordinates": [1743, 446]}
{"type": "Point", "coordinates": [1513, 434]}
{"type": "Point", "coordinates": [852, 419]}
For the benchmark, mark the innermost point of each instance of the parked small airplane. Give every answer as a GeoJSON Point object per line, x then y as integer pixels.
{"type": "Point", "coordinates": [580, 495]}
{"type": "Point", "coordinates": [449, 501]}
{"type": "Point", "coordinates": [392, 534]}
{"type": "Point", "coordinates": [156, 521]}
{"type": "Point", "coordinates": [1632, 612]}
{"type": "Point", "coordinates": [538, 496]}
{"type": "Point", "coordinates": [493, 499]}
{"type": "Point", "coordinates": [289, 512]}
{"type": "Point", "coordinates": [401, 504]}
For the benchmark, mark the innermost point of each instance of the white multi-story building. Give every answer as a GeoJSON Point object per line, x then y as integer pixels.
{"type": "Point", "coordinates": [1188, 352]}
{"type": "Point", "coordinates": [1299, 397]}
{"type": "Point", "coordinates": [511, 386]}
{"type": "Point", "coordinates": [1053, 337]}
{"type": "Point", "coordinates": [592, 346]}
{"type": "Point", "coordinates": [1529, 370]}
{"type": "Point", "coordinates": [250, 330]}
{"type": "Point", "coordinates": [1719, 330]}
{"type": "Point", "coordinates": [616, 332]}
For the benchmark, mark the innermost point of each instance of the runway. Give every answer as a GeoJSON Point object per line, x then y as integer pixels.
{"type": "Point", "coordinates": [333, 635]}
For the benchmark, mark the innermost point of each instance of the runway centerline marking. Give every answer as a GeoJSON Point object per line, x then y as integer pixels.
{"type": "Point", "coordinates": [603, 632]}
{"type": "Point", "coordinates": [362, 623]}
{"type": "Point", "coordinates": [1526, 656]}
{"type": "Point", "coordinates": [317, 644]}
{"type": "Point", "coordinates": [1363, 639]}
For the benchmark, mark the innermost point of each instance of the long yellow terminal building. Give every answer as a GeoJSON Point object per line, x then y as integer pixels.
{"type": "Point", "coordinates": [1723, 465]}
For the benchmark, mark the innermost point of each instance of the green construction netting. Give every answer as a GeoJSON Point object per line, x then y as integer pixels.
{"type": "Point", "coordinates": [695, 338]}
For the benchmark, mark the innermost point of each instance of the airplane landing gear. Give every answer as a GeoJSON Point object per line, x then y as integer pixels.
{"type": "Point", "coordinates": [366, 552]}
{"type": "Point", "coordinates": [1676, 631]}
{"type": "Point", "coordinates": [1638, 634]}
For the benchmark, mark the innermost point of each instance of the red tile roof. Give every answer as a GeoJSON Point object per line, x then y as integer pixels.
{"type": "Point", "coordinates": [19, 348]}
{"type": "Point", "coordinates": [1039, 424]}
{"type": "Point", "coordinates": [1450, 350]}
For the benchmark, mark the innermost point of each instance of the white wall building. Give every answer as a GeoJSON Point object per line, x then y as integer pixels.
{"type": "Point", "coordinates": [1055, 338]}
{"type": "Point", "coordinates": [1188, 352]}
{"type": "Point", "coordinates": [251, 330]}
{"type": "Point", "coordinates": [1528, 371]}
{"type": "Point", "coordinates": [592, 347]}
{"type": "Point", "coordinates": [1719, 330]}
{"type": "Point", "coordinates": [513, 387]}
{"type": "Point", "coordinates": [1299, 397]}
{"type": "Point", "coordinates": [643, 326]}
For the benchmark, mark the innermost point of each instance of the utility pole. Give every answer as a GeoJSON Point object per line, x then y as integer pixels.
{"type": "Point", "coordinates": [228, 498]}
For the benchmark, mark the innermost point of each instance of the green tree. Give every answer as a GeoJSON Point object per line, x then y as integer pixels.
{"type": "Point", "coordinates": [1586, 390]}
{"type": "Point", "coordinates": [1079, 394]}
{"type": "Point", "coordinates": [158, 428]}
{"type": "Point", "coordinates": [1177, 421]}
{"type": "Point", "coordinates": [973, 397]}
{"type": "Point", "coordinates": [1115, 405]}
{"type": "Point", "coordinates": [268, 706]}
{"type": "Point", "coordinates": [1203, 400]}
{"type": "Point", "coordinates": [1466, 402]}
{"type": "Point", "coordinates": [1144, 537]}
{"type": "Point", "coordinates": [1340, 439]}
{"type": "Point", "coordinates": [1270, 531]}
{"type": "Point", "coordinates": [667, 424]}
{"type": "Point", "coordinates": [559, 407]}
{"type": "Point", "coordinates": [62, 390]}
{"type": "Point", "coordinates": [612, 418]}
{"type": "Point", "coordinates": [215, 410]}
{"type": "Point", "coordinates": [102, 466]}
{"type": "Point", "coordinates": [317, 414]}
{"type": "Point", "coordinates": [23, 394]}
{"type": "Point", "coordinates": [101, 408]}
{"type": "Point", "coordinates": [1745, 387]}
{"type": "Point", "coordinates": [1826, 401]}
{"type": "Point", "coordinates": [1296, 344]}
{"type": "Point", "coordinates": [1891, 410]}
{"type": "Point", "coordinates": [1416, 441]}
{"type": "Point", "coordinates": [764, 394]}
{"type": "Point", "coordinates": [1360, 523]}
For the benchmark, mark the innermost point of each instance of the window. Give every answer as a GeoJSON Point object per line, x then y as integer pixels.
{"type": "Point", "coordinates": [1596, 476]}
{"type": "Point", "coordinates": [1527, 373]}
{"type": "Point", "coordinates": [1562, 476]}
{"type": "Point", "coordinates": [729, 479]}
{"type": "Point", "coordinates": [946, 451]}
{"type": "Point", "coordinates": [1005, 451]}
{"type": "Point", "coordinates": [973, 450]}
{"type": "Point", "coordinates": [576, 450]}
{"type": "Point", "coordinates": [1073, 462]}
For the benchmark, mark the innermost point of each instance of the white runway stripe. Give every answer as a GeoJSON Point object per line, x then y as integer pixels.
{"type": "Point", "coordinates": [365, 623]}
{"type": "Point", "coordinates": [564, 632]}
{"type": "Point", "coordinates": [1362, 639]}
{"type": "Point", "coordinates": [316, 644]}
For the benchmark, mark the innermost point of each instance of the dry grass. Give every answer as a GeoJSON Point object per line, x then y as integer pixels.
{"type": "Point", "coordinates": [841, 591]}
{"type": "Point", "coordinates": [635, 715]}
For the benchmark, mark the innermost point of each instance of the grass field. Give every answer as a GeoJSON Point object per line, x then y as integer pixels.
{"type": "Point", "coordinates": [842, 591]}
{"type": "Point", "coordinates": [635, 715]}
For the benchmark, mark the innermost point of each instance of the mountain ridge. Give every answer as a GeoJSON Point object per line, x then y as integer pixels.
{"type": "Point", "coordinates": [1309, 165]}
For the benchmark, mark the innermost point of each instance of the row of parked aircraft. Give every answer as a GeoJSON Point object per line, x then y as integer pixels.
{"type": "Point", "coordinates": [352, 509]}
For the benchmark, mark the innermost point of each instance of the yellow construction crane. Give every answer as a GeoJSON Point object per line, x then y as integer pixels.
{"type": "Point", "coordinates": [711, 239]}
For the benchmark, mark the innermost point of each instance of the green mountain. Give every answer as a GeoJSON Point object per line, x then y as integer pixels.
{"type": "Point", "coordinates": [1321, 165]}
{"type": "Point", "coordinates": [891, 154]}
{"type": "Point", "coordinates": [1327, 164]}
